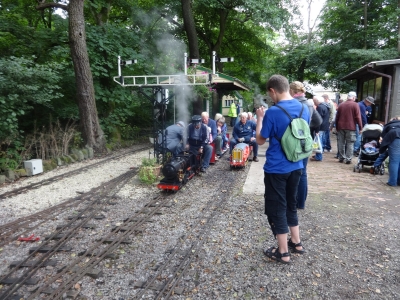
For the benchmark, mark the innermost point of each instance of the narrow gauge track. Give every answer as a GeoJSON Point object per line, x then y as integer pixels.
{"type": "Point", "coordinates": [11, 231]}
{"type": "Point", "coordinates": [164, 282]}
{"type": "Point", "coordinates": [48, 181]}
{"type": "Point", "coordinates": [37, 259]}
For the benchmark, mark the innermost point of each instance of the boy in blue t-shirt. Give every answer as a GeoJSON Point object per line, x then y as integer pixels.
{"type": "Point", "coordinates": [281, 177]}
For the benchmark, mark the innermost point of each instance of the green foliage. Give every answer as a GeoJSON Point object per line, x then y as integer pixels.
{"type": "Point", "coordinates": [10, 155]}
{"type": "Point", "coordinates": [24, 84]}
{"type": "Point", "coordinates": [149, 171]}
{"type": "Point", "coordinates": [149, 162]}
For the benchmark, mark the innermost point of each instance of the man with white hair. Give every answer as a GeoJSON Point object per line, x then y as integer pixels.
{"type": "Point", "coordinates": [347, 117]}
{"type": "Point", "coordinates": [243, 133]}
{"type": "Point", "coordinates": [205, 118]}
{"type": "Point", "coordinates": [323, 110]}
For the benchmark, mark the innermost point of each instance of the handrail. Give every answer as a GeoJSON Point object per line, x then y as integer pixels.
{"type": "Point", "coordinates": [164, 80]}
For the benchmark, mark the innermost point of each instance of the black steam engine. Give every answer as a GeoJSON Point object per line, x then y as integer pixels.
{"type": "Point", "coordinates": [178, 171]}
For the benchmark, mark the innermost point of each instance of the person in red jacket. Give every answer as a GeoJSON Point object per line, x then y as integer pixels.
{"type": "Point", "coordinates": [347, 116]}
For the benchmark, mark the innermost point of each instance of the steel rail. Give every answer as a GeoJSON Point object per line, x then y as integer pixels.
{"type": "Point", "coordinates": [185, 262]}
{"type": "Point", "coordinates": [53, 179]}
{"type": "Point", "coordinates": [93, 209]}
{"type": "Point", "coordinates": [98, 257]}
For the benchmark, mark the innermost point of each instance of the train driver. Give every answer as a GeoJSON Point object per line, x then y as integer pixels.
{"type": "Point", "coordinates": [198, 141]}
{"type": "Point", "coordinates": [174, 137]}
{"type": "Point", "coordinates": [243, 133]}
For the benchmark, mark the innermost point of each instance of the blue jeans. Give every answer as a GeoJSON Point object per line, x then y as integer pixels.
{"type": "Point", "coordinates": [357, 143]}
{"type": "Point", "coordinates": [394, 163]}
{"type": "Point", "coordinates": [280, 200]}
{"type": "Point", "coordinates": [381, 158]}
{"type": "Point", "coordinates": [327, 140]}
{"type": "Point", "coordinates": [207, 152]}
{"type": "Point", "coordinates": [302, 189]}
{"type": "Point", "coordinates": [318, 156]}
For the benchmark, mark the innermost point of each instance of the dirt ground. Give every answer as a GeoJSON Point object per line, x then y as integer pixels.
{"type": "Point", "coordinates": [350, 230]}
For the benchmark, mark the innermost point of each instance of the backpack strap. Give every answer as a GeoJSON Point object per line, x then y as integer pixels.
{"type": "Point", "coordinates": [290, 118]}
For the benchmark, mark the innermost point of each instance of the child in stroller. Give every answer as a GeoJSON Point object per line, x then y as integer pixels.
{"type": "Point", "coordinates": [369, 150]}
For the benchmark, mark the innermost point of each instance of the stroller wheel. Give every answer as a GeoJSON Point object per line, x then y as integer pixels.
{"type": "Point", "coordinates": [382, 170]}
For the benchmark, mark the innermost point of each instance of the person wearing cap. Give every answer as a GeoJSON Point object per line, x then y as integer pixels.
{"type": "Point", "coordinates": [347, 117]}
{"type": "Point", "coordinates": [367, 102]}
{"type": "Point", "coordinates": [175, 137]}
{"type": "Point", "coordinates": [198, 141]}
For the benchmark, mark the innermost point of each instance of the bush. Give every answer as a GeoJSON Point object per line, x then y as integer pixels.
{"type": "Point", "coordinates": [149, 171]}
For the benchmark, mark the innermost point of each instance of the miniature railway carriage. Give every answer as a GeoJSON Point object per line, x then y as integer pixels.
{"type": "Point", "coordinates": [240, 155]}
{"type": "Point", "coordinates": [178, 171]}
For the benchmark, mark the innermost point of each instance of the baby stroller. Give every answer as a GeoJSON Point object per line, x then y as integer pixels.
{"type": "Point", "coordinates": [369, 150]}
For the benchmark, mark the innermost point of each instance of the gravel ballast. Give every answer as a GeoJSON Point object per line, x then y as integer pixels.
{"type": "Point", "coordinates": [349, 229]}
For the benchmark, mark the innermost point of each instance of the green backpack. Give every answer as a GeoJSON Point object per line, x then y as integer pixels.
{"type": "Point", "coordinates": [296, 142]}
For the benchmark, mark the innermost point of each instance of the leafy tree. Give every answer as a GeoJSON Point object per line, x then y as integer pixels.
{"type": "Point", "coordinates": [91, 130]}
{"type": "Point", "coordinates": [25, 84]}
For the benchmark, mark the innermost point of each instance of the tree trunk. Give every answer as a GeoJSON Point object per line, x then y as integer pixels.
{"type": "Point", "coordinates": [398, 29]}
{"type": "Point", "coordinates": [92, 133]}
{"type": "Point", "coordinates": [188, 21]}
{"type": "Point", "coordinates": [365, 23]}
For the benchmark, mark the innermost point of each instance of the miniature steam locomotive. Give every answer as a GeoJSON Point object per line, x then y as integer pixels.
{"type": "Point", "coordinates": [178, 171]}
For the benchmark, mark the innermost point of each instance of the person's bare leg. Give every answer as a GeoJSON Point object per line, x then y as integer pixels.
{"type": "Point", "coordinates": [283, 245]}
{"type": "Point", "coordinates": [295, 236]}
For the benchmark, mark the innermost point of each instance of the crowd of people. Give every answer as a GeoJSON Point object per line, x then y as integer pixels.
{"type": "Point", "coordinates": [286, 183]}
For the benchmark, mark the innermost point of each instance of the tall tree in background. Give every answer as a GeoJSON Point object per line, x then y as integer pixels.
{"type": "Point", "coordinates": [92, 133]}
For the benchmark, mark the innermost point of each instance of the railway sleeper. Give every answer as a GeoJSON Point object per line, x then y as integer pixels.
{"type": "Point", "coordinates": [48, 249]}
{"type": "Point", "coordinates": [94, 253]}
{"type": "Point", "coordinates": [156, 204]}
{"type": "Point", "coordinates": [153, 286]}
{"type": "Point", "coordinates": [86, 226]}
{"type": "Point", "coordinates": [126, 228]}
{"type": "Point", "coordinates": [12, 280]}
{"type": "Point", "coordinates": [138, 220]}
{"type": "Point", "coordinates": [110, 241]}
{"type": "Point", "coordinates": [32, 264]}
{"type": "Point", "coordinates": [148, 211]}
{"type": "Point", "coordinates": [72, 294]}
{"type": "Point", "coordinates": [96, 217]}
{"type": "Point", "coordinates": [56, 237]}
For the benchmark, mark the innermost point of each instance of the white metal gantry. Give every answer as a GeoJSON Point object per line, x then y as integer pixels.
{"type": "Point", "coordinates": [168, 80]}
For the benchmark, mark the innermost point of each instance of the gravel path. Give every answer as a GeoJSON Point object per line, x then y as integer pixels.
{"type": "Point", "coordinates": [349, 229]}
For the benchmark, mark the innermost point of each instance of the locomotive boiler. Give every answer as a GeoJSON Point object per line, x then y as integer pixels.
{"type": "Point", "coordinates": [178, 171]}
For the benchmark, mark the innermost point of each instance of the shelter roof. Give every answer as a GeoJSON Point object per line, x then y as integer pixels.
{"type": "Point", "coordinates": [374, 65]}
{"type": "Point", "coordinates": [224, 81]}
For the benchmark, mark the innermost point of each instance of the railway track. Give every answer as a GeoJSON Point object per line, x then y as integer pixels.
{"type": "Point", "coordinates": [56, 178]}
{"type": "Point", "coordinates": [165, 281]}
{"type": "Point", "coordinates": [41, 256]}
{"type": "Point", "coordinates": [22, 281]}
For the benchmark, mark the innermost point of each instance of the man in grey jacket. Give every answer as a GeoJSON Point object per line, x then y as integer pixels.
{"type": "Point", "coordinates": [174, 138]}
